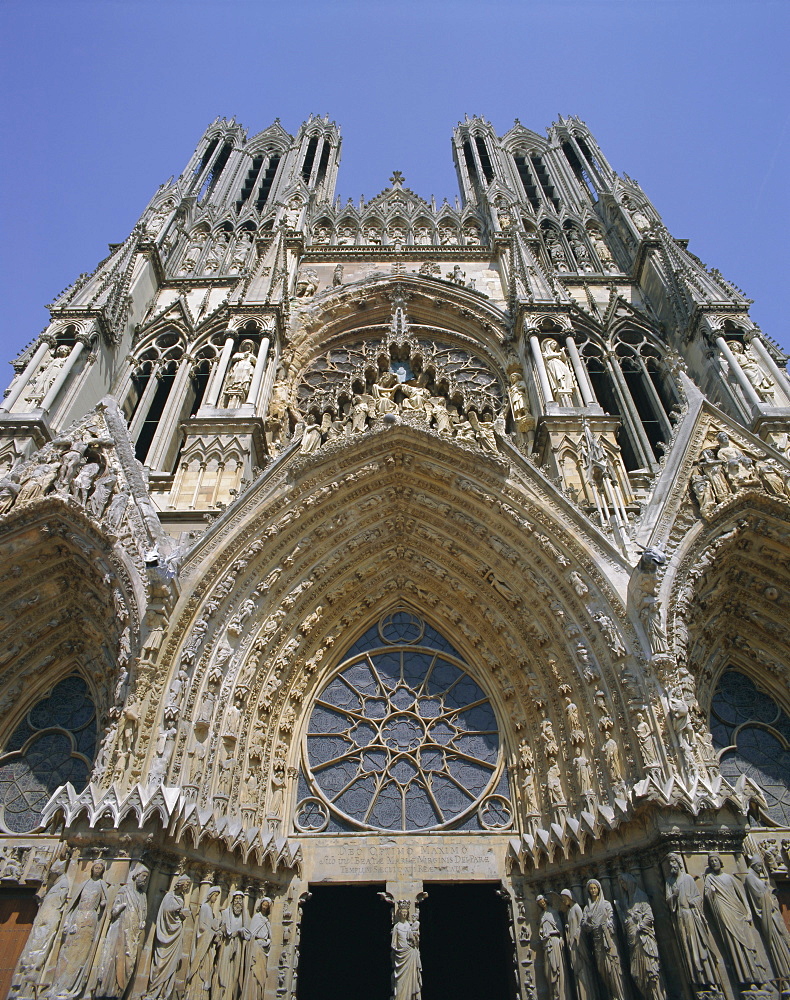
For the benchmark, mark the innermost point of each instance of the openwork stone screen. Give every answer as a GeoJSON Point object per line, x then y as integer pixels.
{"type": "Point", "coordinates": [754, 735]}
{"type": "Point", "coordinates": [55, 743]}
{"type": "Point", "coordinates": [402, 738]}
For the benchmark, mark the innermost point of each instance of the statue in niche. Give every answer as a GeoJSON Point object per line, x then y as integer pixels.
{"type": "Point", "coordinates": [762, 383]}
{"type": "Point", "coordinates": [519, 401]}
{"type": "Point", "coordinates": [156, 222]}
{"type": "Point", "coordinates": [684, 901]}
{"type": "Point", "coordinates": [528, 780]}
{"type": "Point", "coordinates": [769, 918]}
{"type": "Point", "coordinates": [175, 696]}
{"type": "Point", "coordinates": [203, 954]}
{"type": "Point", "coordinates": [373, 236]}
{"type": "Point", "coordinates": [584, 778]}
{"type": "Point", "coordinates": [231, 949]}
{"type": "Point", "coordinates": [638, 921]}
{"type": "Point", "coordinates": [650, 615]}
{"type": "Point", "coordinates": [611, 753]}
{"type": "Point", "coordinates": [45, 927]}
{"type": "Point", "coordinates": [647, 744]}
{"type": "Point", "coordinates": [406, 962]}
{"type": "Point", "coordinates": [81, 925]}
{"type": "Point", "coordinates": [580, 252]}
{"type": "Point", "coordinates": [216, 254]}
{"type": "Point", "coordinates": [124, 936]}
{"type": "Point", "coordinates": [397, 236]}
{"type": "Point", "coordinates": [598, 922]}
{"type": "Point", "coordinates": [679, 713]}
{"type": "Point", "coordinates": [602, 249]}
{"type": "Point", "coordinates": [44, 379]}
{"type": "Point", "coordinates": [164, 750]}
{"type": "Point", "coordinates": [727, 900]}
{"type": "Point", "coordinates": [471, 236]}
{"type": "Point", "coordinates": [557, 253]}
{"type": "Point", "coordinates": [292, 213]}
{"type": "Point", "coordinates": [258, 948]}
{"type": "Point", "coordinates": [554, 785]}
{"type": "Point", "coordinates": [173, 911]}
{"type": "Point", "coordinates": [422, 236]}
{"type": "Point", "coordinates": [550, 930]}
{"type": "Point", "coordinates": [578, 953]}
{"type": "Point", "coordinates": [560, 376]}
{"type": "Point", "coordinates": [311, 435]}
{"type": "Point", "coordinates": [345, 236]}
{"type": "Point", "coordinates": [363, 406]}
{"type": "Point", "coordinates": [239, 377]}
{"type": "Point", "coordinates": [448, 236]}
{"type": "Point", "coordinates": [321, 236]}
{"type": "Point", "coordinates": [242, 249]}
{"type": "Point", "coordinates": [485, 433]}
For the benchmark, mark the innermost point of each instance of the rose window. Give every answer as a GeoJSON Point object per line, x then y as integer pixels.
{"type": "Point", "coordinates": [402, 738]}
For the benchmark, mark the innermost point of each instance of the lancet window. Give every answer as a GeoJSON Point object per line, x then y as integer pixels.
{"type": "Point", "coordinates": [752, 734]}
{"type": "Point", "coordinates": [215, 171]}
{"type": "Point", "coordinates": [632, 382]}
{"type": "Point", "coordinates": [402, 738]}
{"type": "Point", "coordinates": [53, 744]}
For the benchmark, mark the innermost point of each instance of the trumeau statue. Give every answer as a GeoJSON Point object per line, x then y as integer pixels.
{"type": "Point", "coordinates": [123, 937]}
{"type": "Point", "coordinates": [728, 903]}
{"type": "Point", "coordinates": [406, 963]}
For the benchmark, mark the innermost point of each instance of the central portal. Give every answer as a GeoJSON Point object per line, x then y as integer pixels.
{"type": "Point", "coordinates": [465, 943]}
{"type": "Point", "coordinates": [344, 951]}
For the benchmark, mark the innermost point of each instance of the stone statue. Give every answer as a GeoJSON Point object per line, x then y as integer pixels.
{"type": "Point", "coordinates": [647, 744]}
{"type": "Point", "coordinates": [578, 953]}
{"type": "Point", "coordinates": [554, 785]}
{"type": "Point", "coordinates": [727, 900]}
{"type": "Point", "coordinates": [81, 926]}
{"type": "Point", "coordinates": [311, 436]}
{"type": "Point", "coordinates": [306, 282]}
{"type": "Point", "coordinates": [170, 919]}
{"type": "Point", "coordinates": [550, 931]}
{"type": "Point", "coordinates": [598, 922]}
{"type": "Point", "coordinates": [204, 946]}
{"type": "Point", "coordinates": [258, 948]}
{"type": "Point", "coordinates": [39, 945]}
{"type": "Point", "coordinates": [239, 377]}
{"type": "Point", "coordinates": [769, 918]}
{"type": "Point", "coordinates": [561, 379]}
{"type": "Point", "coordinates": [519, 402]}
{"type": "Point", "coordinates": [45, 378]}
{"type": "Point", "coordinates": [232, 937]}
{"type": "Point", "coordinates": [124, 936]}
{"type": "Point", "coordinates": [685, 904]}
{"type": "Point", "coordinates": [738, 467]}
{"type": "Point", "coordinates": [639, 928]}
{"type": "Point", "coordinates": [603, 251]}
{"type": "Point", "coordinates": [383, 391]}
{"type": "Point", "coordinates": [406, 963]}
{"type": "Point", "coordinates": [751, 368]}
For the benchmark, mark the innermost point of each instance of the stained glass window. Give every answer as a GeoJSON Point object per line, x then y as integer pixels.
{"type": "Point", "coordinates": [402, 738]}
{"type": "Point", "coordinates": [753, 734]}
{"type": "Point", "coordinates": [54, 743]}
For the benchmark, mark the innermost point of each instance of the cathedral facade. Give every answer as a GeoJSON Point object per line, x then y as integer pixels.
{"type": "Point", "coordinates": [395, 596]}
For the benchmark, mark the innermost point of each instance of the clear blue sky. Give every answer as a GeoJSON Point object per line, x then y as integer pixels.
{"type": "Point", "coordinates": [102, 101]}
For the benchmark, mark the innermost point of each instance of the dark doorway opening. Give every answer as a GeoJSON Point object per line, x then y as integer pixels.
{"type": "Point", "coordinates": [344, 948]}
{"type": "Point", "coordinates": [465, 943]}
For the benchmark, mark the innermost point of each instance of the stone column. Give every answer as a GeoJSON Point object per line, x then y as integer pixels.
{"type": "Point", "coordinates": [143, 406]}
{"type": "Point", "coordinates": [82, 342]}
{"type": "Point", "coordinates": [540, 367]}
{"type": "Point", "coordinates": [780, 376]}
{"type": "Point", "coordinates": [215, 386]}
{"type": "Point", "coordinates": [46, 341]}
{"type": "Point", "coordinates": [748, 389]}
{"type": "Point", "coordinates": [585, 386]}
{"type": "Point", "coordinates": [167, 422]}
{"type": "Point", "coordinates": [260, 368]}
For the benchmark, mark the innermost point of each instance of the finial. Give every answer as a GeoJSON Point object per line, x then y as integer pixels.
{"type": "Point", "coordinates": [397, 178]}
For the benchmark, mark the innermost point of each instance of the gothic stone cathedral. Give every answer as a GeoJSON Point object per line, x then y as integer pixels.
{"type": "Point", "coordinates": [395, 597]}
